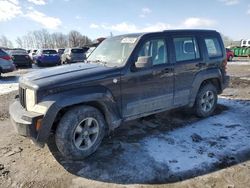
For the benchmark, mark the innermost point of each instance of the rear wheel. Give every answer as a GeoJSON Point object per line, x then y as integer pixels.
{"type": "Point", "coordinates": [206, 100]}
{"type": "Point", "coordinates": [38, 63]}
{"type": "Point", "coordinates": [80, 132]}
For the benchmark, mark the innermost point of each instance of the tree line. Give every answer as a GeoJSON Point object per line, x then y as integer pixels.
{"type": "Point", "coordinates": [43, 39]}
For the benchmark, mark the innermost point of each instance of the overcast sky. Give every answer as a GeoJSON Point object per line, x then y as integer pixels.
{"type": "Point", "coordinates": [97, 18]}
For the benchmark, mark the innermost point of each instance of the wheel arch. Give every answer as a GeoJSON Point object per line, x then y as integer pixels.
{"type": "Point", "coordinates": [103, 101]}
{"type": "Point", "coordinates": [212, 76]}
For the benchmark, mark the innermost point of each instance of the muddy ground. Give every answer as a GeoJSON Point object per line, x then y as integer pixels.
{"type": "Point", "coordinates": [212, 152]}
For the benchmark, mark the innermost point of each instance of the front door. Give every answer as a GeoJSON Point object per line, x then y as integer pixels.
{"type": "Point", "coordinates": [147, 90]}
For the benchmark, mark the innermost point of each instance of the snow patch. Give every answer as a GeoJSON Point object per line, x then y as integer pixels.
{"type": "Point", "coordinates": [225, 134]}
{"type": "Point", "coordinates": [8, 86]}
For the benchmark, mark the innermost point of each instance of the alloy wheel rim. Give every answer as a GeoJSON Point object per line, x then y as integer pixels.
{"type": "Point", "coordinates": [207, 101]}
{"type": "Point", "coordinates": [86, 133]}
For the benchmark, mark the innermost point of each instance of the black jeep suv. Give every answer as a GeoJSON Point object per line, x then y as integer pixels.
{"type": "Point", "coordinates": [126, 77]}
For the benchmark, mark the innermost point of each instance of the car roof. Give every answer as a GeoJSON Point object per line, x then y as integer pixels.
{"type": "Point", "coordinates": [177, 31]}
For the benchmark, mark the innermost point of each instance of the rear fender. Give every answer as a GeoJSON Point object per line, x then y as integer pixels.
{"type": "Point", "coordinates": [200, 78]}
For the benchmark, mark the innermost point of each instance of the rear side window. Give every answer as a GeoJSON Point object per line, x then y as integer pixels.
{"type": "Point", "coordinates": [213, 47]}
{"type": "Point", "coordinates": [77, 50]}
{"type": "Point", "coordinates": [186, 49]}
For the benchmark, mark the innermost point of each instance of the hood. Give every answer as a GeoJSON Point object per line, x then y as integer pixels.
{"type": "Point", "coordinates": [64, 75]}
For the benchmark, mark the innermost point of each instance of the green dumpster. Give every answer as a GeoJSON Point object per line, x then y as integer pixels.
{"type": "Point", "coordinates": [248, 51]}
{"type": "Point", "coordinates": [236, 51]}
{"type": "Point", "coordinates": [241, 51]}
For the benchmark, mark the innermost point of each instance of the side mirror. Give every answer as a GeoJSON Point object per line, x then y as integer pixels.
{"type": "Point", "coordinates": [144, 62]}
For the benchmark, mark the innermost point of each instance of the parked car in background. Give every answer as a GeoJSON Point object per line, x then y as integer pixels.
{"type": "Point", "coordinates": [32, 53]}
{"type": "Point", "coordinates": [47, 57]}
{"type": "Point", "coordinates": [21, 57]}
{"type": "Point", "coordinates": [230, 54]}
{"type": "Point", "coordinates": [6, 63]}
{"type": "Point", "coordinates": [73, 55]}
{"type": "Point", "coordinates": [60, 51]}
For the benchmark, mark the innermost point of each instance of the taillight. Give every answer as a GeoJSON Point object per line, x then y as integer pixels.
{"type": "Point", "coordinates": [224, 65]}
{"type": "Point", "coordinates": [6, 57]}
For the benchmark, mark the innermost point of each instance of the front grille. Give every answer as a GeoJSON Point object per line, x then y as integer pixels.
{"type": "Point", "coordinates": [22, 97]}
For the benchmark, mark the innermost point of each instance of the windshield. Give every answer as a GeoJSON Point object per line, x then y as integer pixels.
{"type": "Point", "coordinates": [113, 51]}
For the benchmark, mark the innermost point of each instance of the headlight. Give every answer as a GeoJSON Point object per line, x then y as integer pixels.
{"type": "Point", "coordinates": [30, 99]}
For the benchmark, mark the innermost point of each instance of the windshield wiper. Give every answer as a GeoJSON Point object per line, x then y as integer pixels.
{"type": "Point", "coordinates": [99, 62]}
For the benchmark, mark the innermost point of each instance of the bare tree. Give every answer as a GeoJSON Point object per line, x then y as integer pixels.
{"type": "Point", "coordinates": [19, 42]}
{"type": "Point", "coordinates": [59, 40]}
{"type": "Point", "coordinates": [43, 39]}
{"type": "Point", "coordinates": [227, 41]}
{"type": "Point", "coordinates": [4, 42]}
{"type": "Point", "coordinates": [75, 38]}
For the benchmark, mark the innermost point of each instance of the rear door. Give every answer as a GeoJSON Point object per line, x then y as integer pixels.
{"type": "Point", "coordinates": [188, 62]}
{"type": "Point", "coordinates": [147, 90]}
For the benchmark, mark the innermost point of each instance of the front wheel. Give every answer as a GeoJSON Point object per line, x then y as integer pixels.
{"type": "Point", "coordinates": [80, 132]}
{"type": "Point", "coordinates": [206, 100]}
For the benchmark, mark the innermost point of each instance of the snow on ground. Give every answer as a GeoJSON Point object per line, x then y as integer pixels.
{"type": "Point", "coordinates": [201, 144]}
{"type": "Point", "coordinates": [239, 62]}
{"type": "Point", "coordinates": [7, 86]}
{"type": "Point", "coordinates": [9, 83]}
{"type": "Point", "coordinates": [142, 154]}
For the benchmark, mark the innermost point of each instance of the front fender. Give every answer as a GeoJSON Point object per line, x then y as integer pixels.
{"type": "Point", "coordinates": [99, 96]}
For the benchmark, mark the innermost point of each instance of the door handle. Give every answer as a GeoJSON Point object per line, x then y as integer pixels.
{"type": "Point", "coordinates": [166, 70]}
{"type": "Point", "coordinates": [199, 65]}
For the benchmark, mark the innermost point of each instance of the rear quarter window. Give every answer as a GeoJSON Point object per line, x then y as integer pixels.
{"type": "Point", "coordinates": [213, 47]}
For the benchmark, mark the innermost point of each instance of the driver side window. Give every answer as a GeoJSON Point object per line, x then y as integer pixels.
{"type": "Point", "coordinates": [156, 49]}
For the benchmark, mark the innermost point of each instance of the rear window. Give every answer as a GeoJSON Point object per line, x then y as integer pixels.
{"type": "Point", "coordinates": [49, 52]}
{"type": "Point", "coordinates": [213, 47]}
{"type": "Point", "coordinates": [77, 50]}
{"type": "Point", "coordinates": [22, 52]}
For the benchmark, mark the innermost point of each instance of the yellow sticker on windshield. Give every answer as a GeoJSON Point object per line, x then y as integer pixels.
{"type": "Point", "coordinates": [129, 40]}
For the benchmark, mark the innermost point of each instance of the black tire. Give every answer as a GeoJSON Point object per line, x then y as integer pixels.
{"type": "Point", "coordinates": [67, 133]}
{"type": "Point", "coordinates": [206, 100]}
{"type": "Point", "coordinates": [38, 63]}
